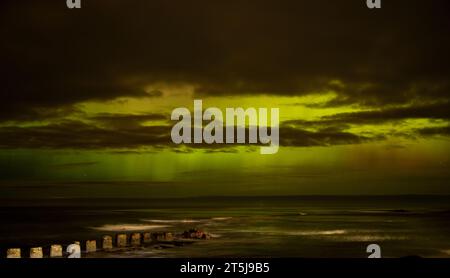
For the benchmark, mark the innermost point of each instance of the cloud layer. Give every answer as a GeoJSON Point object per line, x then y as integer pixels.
{"type": "Point", "coordinates": [392, 62]}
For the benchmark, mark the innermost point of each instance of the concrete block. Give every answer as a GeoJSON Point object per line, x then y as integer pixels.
{"type": "Point", "coordinates": [136, 239]}
{"type": "Point", "coordinates": [168, 236]}
{"type": "Point", "coordinates": [56, 251]}
{"type": "Point", "coordinates": [162, 236]}
{"type": "Point", "coordinates": [36, 253]}
{"type": "Point", "coordinates": [147, 238]}
{"type": "Point", "coordinates": [121, 240]}
{"type": "Point", "coordinates": [91, 246]}
{"type": "Point", "coordinates": [13, 253]}
{"type": "Point", "coordinates": [107, 242]}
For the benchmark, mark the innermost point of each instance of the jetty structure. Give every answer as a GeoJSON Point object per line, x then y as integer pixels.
{"type": "Point", "coordinates": [108, 243]}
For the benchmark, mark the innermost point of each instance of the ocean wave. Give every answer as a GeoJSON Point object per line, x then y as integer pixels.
{"type": "Point", "coordinates": [127, 227]}
{"type": "Point", "coordinates": [317, 233]}
{"type": "Point", "coordinates": [214, 235]}
{"type": "Point", "coordinates": [371, 238]}
{"type": "Point", "coordinates": [386, 211]}
{"type": "Point", "coordinates": [295, 233]}
{"type": "Point", "coordinates": [175, 221]}
{"type": "Point", "coordinates": [172, 220]}
{"type": "Point", "coordinates": [221, 218]}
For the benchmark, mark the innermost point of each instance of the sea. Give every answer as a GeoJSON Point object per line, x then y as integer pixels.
{"type": "Point", "coordinates": [240, 227]}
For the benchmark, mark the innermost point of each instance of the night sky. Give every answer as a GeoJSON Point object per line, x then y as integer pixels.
{"type": "Point", "coordinates": [86, 96]}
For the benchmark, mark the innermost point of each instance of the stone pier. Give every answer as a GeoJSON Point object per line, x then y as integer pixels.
{"type": "Point", "coordinates": [107, 243]}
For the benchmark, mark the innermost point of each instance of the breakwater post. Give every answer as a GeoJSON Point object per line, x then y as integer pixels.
{"type": "Point", "coordinates": [13, 253]}
{"type": "Point", "coordinates": [121, 240]}
{"type": "Point", "coordinates": [56, 251]}
{"type": "Point", "coordinates": [147, 238]}
{"type": "Point", "coordinates": [91, 246]}
{"type": "Point", "coordinates": [107, 242]}
{"type": "Point", "coordinates": [36, 253]}
{"type": "Point", "coordinates": [135, 239]}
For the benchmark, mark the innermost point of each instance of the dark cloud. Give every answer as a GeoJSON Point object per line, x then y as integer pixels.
{"type": "Point", "coordinates": [78, 135]}
{"type": "Point", "coordinates": [430, 111]}
{"type": "Point", "coordinates": [296, 137]}
{"type": "Point", "coordinates": [53, 56]}
{"type": "Point", "coordinates": [119, 133]}
{"type": "Point", "coordinates": [18, 115]}
{"type": "Point", "coordinates": [432, 131]}
{"type": "Point", "coordinates": [83, 136]}
{"type": "Point", "coordinates": [342, 121]}
{"type": "Point", "coordinates": [337, 124]}
{"type": "Point", "coordinates": [127, 121]}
